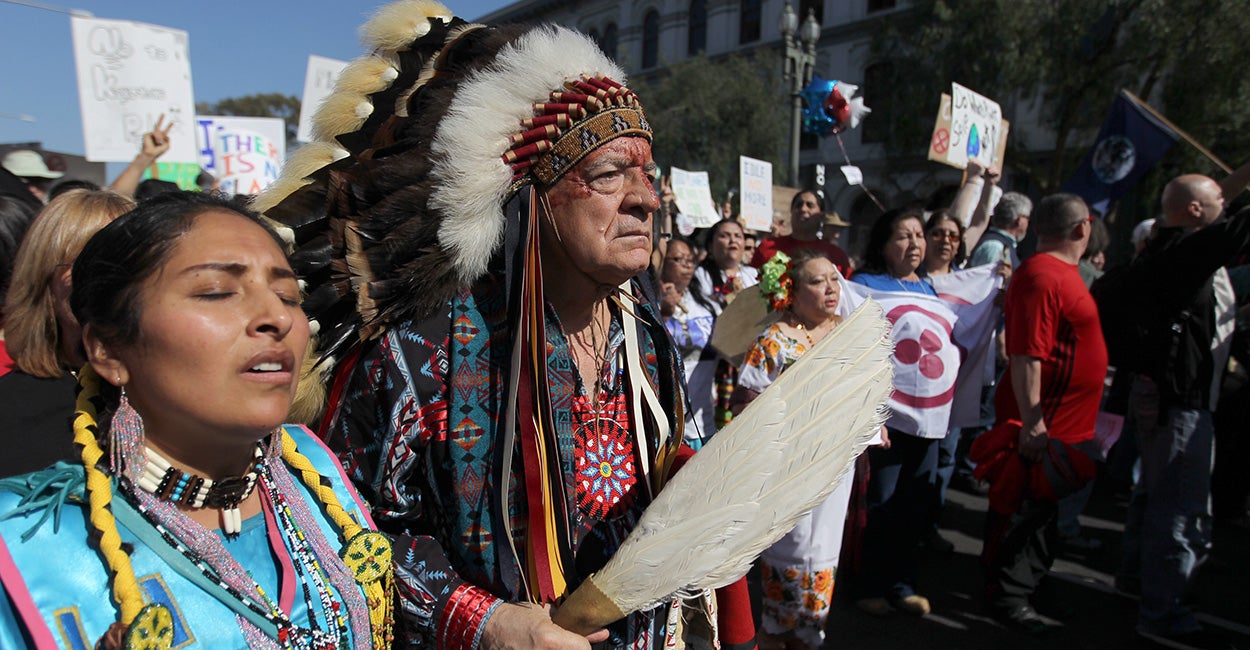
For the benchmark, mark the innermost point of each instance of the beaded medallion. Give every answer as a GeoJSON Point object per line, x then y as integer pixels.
{"type": "Point", "coordinates": [152, 629]}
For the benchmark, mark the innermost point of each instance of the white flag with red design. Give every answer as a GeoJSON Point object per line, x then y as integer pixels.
{"type": "Point", "coordinates": [940, 348]}
{"type": "Point", "coordinates": [971, 294]}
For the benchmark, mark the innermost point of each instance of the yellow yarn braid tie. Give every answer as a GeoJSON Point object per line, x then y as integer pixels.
{"type": "Point", "coordinates": [126, 589]}
{"type": "Point", "coordinates": [366, 553]}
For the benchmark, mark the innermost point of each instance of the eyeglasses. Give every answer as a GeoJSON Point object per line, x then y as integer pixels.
{"type": "Point", "coordinates": [684, 261]}
{"type": "Point", "coordinates": [948, 236]}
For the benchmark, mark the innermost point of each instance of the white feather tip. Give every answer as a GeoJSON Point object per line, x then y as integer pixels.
{"type": "Point", "coordinates": [398, 24]}
{"type": "Point", "coordinates": [366, 75]}
{"type": "Point", "coordinates": [342, 112]}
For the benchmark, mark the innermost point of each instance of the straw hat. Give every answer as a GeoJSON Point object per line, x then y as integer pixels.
{"type": "Point", "coordinates": [835, 219]}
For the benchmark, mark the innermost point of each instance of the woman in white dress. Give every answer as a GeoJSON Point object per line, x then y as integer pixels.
{"type": "Point", "coordinates": [798, 571]}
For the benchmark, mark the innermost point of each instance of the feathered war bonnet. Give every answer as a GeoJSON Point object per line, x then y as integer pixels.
{"type": "Point", "coordinates": [426, 159]}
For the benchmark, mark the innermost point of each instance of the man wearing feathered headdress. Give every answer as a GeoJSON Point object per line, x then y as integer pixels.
{"type": "Point", "coordinates": [472, 229]}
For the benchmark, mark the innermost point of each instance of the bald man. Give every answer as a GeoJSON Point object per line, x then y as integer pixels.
{"type": "Point", "coordinates": [1191, 319]}
{"type": "Point", "coordinates": [1192, 201]}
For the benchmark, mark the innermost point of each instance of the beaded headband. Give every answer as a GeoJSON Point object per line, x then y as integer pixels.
{"type": "Point", "coordinates": [594, 111]}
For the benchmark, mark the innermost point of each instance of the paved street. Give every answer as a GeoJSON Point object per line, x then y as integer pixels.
{"type": "Point", "coordinates": [1096, 616]}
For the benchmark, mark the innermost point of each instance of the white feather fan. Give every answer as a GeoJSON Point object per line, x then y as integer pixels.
{"type": "Point", "coordinates": [748, 487]}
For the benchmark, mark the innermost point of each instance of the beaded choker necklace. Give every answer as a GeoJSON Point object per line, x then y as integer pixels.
{"type": "Point", "coordinates": [168, 483]}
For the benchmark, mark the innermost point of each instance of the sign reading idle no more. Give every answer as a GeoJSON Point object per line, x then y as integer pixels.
{"type": "Point", "coordinates": [755, 178]}
{"type": "Point", "coordinates": [943, 142]}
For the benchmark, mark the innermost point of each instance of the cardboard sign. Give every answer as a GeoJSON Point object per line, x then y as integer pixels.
{"type": "Point", "coordinates": [694, 197]}
{"type": "Point", "coordinates": [129, 75]}
{"type": "Point", "coordinates": [755, 177]}
{"type": "Point", "coordinates": [319, 82]}
{"type": "Point", "coordinates": [975, 122]}
{"type": "Point", "coordinates": [244, 153]}
{"type": "Point", "coordinates": [940, 140]}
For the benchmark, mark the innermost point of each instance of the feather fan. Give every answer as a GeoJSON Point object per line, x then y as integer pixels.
{"type": "Point", "coordinates": [750, 485]}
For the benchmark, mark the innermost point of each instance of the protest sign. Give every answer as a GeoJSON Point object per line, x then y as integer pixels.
{"type": "Point", "coordinates": [318, 84]}
{"type": "Point", "coordinates": [244, 153]}
{"type": "Point", "coordinates": [129, 75]}
{"type": "Point", "coordinates": [694, 197]}
{"type": "Point", "coordinates": [755, 178]}
{"type": "Point", "coordinates": [184, 175]}
{"type": "Point", "coordinates": [940, 141]}
{"type": "Point", "coordinates": [975, 124]}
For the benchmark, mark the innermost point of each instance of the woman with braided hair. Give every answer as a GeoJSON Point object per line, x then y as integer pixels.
{"type": "Point", "coordinates": [195, 518]}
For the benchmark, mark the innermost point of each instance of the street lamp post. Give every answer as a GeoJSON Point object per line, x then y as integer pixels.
{"type": "Point", "coordinates": [800, 60]}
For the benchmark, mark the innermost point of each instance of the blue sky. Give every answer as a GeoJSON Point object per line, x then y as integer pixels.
{"type": "Point", "coordinates": [237, 48]}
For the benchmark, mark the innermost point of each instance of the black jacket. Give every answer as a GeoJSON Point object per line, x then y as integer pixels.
{"type": "Point", "coordinates": [1178, 267]}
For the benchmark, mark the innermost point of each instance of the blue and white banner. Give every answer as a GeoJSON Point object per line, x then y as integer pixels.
{"type": "Point", "coordinates": [1130, 142]}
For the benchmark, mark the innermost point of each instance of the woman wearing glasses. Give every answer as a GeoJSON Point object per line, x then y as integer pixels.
{"type": "Point", "coordinates": [688, 316]}
{"type": "Point", "coordinates": [945, 250]}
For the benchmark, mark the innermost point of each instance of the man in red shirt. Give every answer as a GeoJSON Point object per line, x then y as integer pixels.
{"type": "Point", "coordinates": [1058, 362]}
{"type": "Point", "coordinates": [807, 215]}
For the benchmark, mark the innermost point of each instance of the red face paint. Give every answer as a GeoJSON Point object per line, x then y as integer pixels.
{"type": "Point", "coordinates": [629, 155]}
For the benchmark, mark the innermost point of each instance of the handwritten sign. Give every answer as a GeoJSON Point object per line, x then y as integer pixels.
{"type": "Point", "coordinates": [755, 177]}
{"type": "Point", "coordinates": [318, 84]}
{"type": "Point", "coordinates": [975, 124]}
{"type": "Point", "coordinates": [244, 153]}
{"type": "Point", "coordinates": [940, 148]}
{"type": "Point", "coordinates": [129, 75]}
{"type": "Point", "coordinates": [694, 197]}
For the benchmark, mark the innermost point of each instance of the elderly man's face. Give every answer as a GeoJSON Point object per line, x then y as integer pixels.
{"type": "Point", "coordinates": [602, 211]}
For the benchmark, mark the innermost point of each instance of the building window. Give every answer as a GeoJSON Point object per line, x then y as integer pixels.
{"type": "Point", "coordinates": [608, 44]}
{"type": "Point", "coordinates": [812, 6]}
{"type": "Point", "coordinates": [877, 97]}
{"type": "Point", "coordinates": [880, 5]}
{"type": "Point", "coordinates": [650, 39]}
{"type": "Point", "coordinates": [749, 16]}
{"type": "Point", "coordinates": [696, 37]}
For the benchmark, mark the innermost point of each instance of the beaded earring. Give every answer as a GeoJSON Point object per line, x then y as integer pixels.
{"type": "Point", "coordinates": [126, 439]}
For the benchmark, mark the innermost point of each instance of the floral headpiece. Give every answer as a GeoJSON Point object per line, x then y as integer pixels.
{"type": "Point", "coordinates": [775, 282]}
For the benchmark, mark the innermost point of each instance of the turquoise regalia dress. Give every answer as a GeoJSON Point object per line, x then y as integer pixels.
{"type": "Point", "coordinates": [57, 588]}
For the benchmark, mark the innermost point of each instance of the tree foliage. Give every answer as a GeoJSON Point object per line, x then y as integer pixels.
{"type": "Point", "coordinates": [1073, 56]}
{"type": "Point", "coordinates": [708, 112]}
{"type": "Point", "coordinates": [286, 107]}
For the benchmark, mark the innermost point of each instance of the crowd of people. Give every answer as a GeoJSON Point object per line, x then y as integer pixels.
{"type": "Point", "coordinates": [419, 397]}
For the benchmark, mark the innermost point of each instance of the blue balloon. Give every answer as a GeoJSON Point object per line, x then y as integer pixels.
{"type": "Point", "coordinates": [815, 119]}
